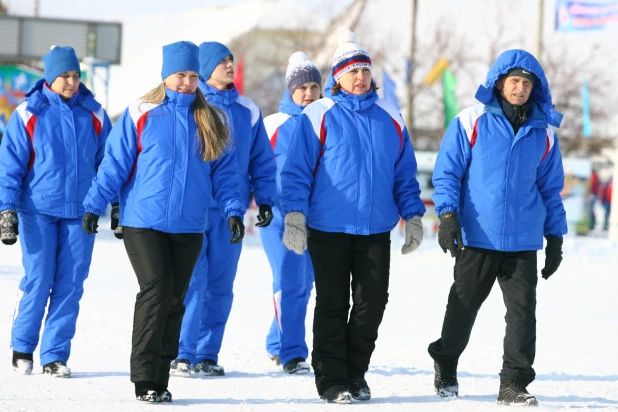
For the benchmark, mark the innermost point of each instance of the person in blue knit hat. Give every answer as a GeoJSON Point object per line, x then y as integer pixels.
{"type": "Point", "coordinates": [210, 294]}
{"type": "Point", "coordinates": [167, 156]}
{"type": "Point", "coordinates": [53, 145]}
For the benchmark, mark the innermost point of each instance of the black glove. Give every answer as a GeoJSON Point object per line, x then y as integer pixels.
{"type": "Point", "coordinates": [115, 219]}
{"type": "Point", "coordinates": [553, 256]}
{"type": "Point", "coordinates": [449, 232]}
{"type": "Point", "coordinates": [265, 216]}
{"type": "Point", "coordinates": [237, 228]}
{"type": "Point", "coordinates": [9, 227]}
{"type": "Point", "coordinates": [90, 223]}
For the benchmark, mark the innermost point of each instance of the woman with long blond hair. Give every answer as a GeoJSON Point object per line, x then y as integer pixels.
{"type": "Point", "coordinates": [166, 157]}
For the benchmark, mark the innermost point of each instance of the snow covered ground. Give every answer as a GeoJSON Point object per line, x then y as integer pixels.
{"type": "Point", "coordinates": [577, 362]}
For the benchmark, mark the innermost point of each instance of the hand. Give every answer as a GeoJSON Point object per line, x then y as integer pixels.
{"type": "Point", "coordinates": [553, 256]}
{"type": "Point", "coordinates": [414, 235]}
{"type": "Point", "coordinates": [115, 221]}
{"type": "Point", "coordinates": [295, 232]}
{"type": "Point", "coordinates": [9, 227]}
{"type": "Point", "coordinates": [90, 223]}
{"type": "Point", "coordinates": [449, 232]}
{"type": "Point", "coordinates": [237, 228]}
{"type": "Point", "coordinates": [265, 216]}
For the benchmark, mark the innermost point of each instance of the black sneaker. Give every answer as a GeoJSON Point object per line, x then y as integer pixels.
{"type": "Point", "coordinates": [147, 392]}
{"type": "Point", "coordinates": [297, 366]}
{"type": "Point", "coordinates": [274, 358]}
{"type": "Point", "coordinates": [445, 380]}
{"type": "Point", "coordinates": [514, 392]}
{"type": "Point", "coordinates": [337, 394]}
{"type": "Point", "coordinates": [208, 367]}
{"type": "Point", "coordinates": [164, 393]}
{"type": "Point", "coordinates": [180, 367]}
{"type": "Point", "coordinates": [57, 369]}
{"type": "Point", "coordinates": [359, 389]}
{"type": "Point", "coordinates": [22, 363]}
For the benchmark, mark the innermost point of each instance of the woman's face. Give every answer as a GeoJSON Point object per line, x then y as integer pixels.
{"type": "Point", "coordinates": [182, 82]}
{"type": "Point", "coordinates": [356, 81]}
{"type": "Point", "coordinates": [67, 84]}
{"type": "Point", "coordinates": [306, 93]}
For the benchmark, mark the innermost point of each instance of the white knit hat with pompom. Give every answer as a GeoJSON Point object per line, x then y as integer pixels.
{"type": "Point", "coordinates": [349, 55]}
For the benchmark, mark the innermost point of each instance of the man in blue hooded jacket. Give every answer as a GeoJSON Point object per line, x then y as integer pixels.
{"type": "Point", "coordinates": [209, 298]}
{"type": "Point", "coordinates": [498, 178]}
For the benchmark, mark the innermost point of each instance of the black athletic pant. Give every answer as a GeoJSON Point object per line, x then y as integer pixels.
{"type": "Point", "coordinates": [475, 272]}
{"type": "Point", "coordinates": [342, 347]}
{"type": "Point", "coordinates": [163, 263]}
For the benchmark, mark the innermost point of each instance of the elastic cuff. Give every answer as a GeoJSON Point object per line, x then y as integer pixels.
{"type": "Point", "coordinates": [8, 206]}
{"type": "Point", "coordinates": [447, 209]}
{"type": "Point", "coordinates": [93, 210]}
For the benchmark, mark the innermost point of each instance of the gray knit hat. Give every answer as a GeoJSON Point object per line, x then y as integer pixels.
{"type": "Point", "coordinates": [301, 70]}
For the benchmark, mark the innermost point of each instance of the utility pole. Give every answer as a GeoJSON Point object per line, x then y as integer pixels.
{"type": "Point", "coordinates": [36, 8]}
{"type": "Point", "coordinates": [411, 67]}
{"type": "Point", "coordinates": [539, 31]}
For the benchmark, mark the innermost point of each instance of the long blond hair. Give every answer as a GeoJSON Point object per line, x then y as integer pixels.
{"type": "Point", "coordinates": [212, 125]}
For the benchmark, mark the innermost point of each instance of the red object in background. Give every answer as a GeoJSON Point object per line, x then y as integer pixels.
{"type": "Point", "coordinates": [239, 76]}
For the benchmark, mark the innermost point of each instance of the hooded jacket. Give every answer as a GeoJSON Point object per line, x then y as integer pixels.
{"type": "Point", "coordinates": [152, 159]}
{"type": "Point", "coordinates": [504, 187]}
{"type": "Point", "coordinates": [51, 151]}
{"type": "Point", "coordinates": [351, 166]}
{"type": "Point", "coordinates": [256, 167]}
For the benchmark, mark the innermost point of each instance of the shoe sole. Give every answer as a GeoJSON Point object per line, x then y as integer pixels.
{"type": "Point", "coordinates": [341, 399]}
{"type": "Point", "coordinates": [57, 376]}
{"type": "Point", "coordinates": [181, 374]}
{"type": "Point", "coordinates": [528, 402]}
{"type": "Point", "coordinates": [301, 371]}
{"type": "Point", "coordinates": [209, 373]}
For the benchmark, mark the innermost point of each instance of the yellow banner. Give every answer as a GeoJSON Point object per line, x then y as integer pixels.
{"type": "Point", "coordinates": [436, 71]}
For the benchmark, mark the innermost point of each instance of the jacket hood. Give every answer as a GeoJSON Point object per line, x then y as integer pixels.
{"type": "Point", "coordinates": [37, 97]}
{"type": "Point", "coordinates": [540, 91]}
{"type": "Point", "coordinates": [288, 106]}
{"type": "Point", "coordinates": [219, 97]}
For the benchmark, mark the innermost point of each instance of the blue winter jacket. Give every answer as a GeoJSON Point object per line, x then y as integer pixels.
{"type": "Point", "coordinates": [256, 165]}
{"type": "Point", "coordinates": [51, 151]}
{"type": "Point", "coordinates": [152, 159]}
{"type": "Point", "coordinates": [350, 166]}
{"type": "Point", "coordinates": [280, 127]}
{"type": "Point", "coordinates": [504, 187]}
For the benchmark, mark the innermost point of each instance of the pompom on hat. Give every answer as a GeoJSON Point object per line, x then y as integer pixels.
{"type": "Point", "coordinates": [349, 55]}
{"type": "Point", "coordinates": [59, 60]}
{"type": "Point", "coordinates": [300, 71]}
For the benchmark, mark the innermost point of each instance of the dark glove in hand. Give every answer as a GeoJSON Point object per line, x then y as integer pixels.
{"type": "Point", "coordinates": [9, 227]}
{"type": "Point", "coordinates": [237, 228]}
{"type": "Point", "coordinates": [115, 221]}
{"type": "Point", "coordinates": [90, 223]}
{"type": "Point", "coordinates": [265, 216]}
{"type": "Point", "coordinates": [449, 234]}
{"type": "Point", "coordinates": [553, 256]}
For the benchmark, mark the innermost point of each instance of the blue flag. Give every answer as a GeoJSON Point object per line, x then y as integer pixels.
{"type": "Point", "coordinates": [586, 124]}
{"type": "Point", "coordinates": [389, 89]}
{"type": "Point", "coordinates": [574, 15]}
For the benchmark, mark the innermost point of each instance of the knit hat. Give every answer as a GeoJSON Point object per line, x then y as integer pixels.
{"type": "Point", "coordinates": [349, 55]}
{"type": "Point", "coordinates": [179, 57]}
{"type": "Point", "coordinates": [59, 60]}
{"type": "Point", "coordinates": [300, 71]}
{"type": "Point", "coordinates": [211, 54]}
{"type": "Point", "coordinates": [521, 73]}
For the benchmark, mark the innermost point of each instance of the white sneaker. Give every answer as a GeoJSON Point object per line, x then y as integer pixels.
{"type": "Point", "coordinates": [57, 369]}
{"type": "Point", "coordinates": [180, 367]}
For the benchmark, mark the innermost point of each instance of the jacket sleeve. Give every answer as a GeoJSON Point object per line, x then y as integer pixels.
{"type": "Point", "coordinates": [105, 130]}
{"type": "Point", "coordinates": [550, 181]}
{"type": "Point", "coordinates": [226, 186]}
{"type": "Point", "coordinates": [262, 166]}
{"type": "Point", "coordinates": [14, 157]}
{"type": "Point", "coordinates": [406, 190]}
{"type": "Point", "coordinates": [116, 166]}
{"type": "Point", "coordinates": [451, 167]}
{"type": "Point", "coordinates": [297, 172]}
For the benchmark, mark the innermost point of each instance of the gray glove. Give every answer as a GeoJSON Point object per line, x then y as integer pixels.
{"type": "Point", "coordinates": [8, 227]}
{"type": "Point", "coordinates": [414, 235]}
{"type": "Point", "coordinates": [295, 232]}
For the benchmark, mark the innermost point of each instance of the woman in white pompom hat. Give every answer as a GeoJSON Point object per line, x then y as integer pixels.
{"type": "Point", "coordinates": [349, 177]}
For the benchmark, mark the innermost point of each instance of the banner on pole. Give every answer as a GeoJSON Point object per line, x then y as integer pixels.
{"type": "Point", "coordinates": [573, 15]}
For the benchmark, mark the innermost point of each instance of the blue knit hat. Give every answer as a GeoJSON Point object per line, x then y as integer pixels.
{"type": "Point", "coordinates": [181, 56]}
{"type": "Point", "coordinates": [59, 60]}
{"type": "Point", "coordinates": [211, 54]}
